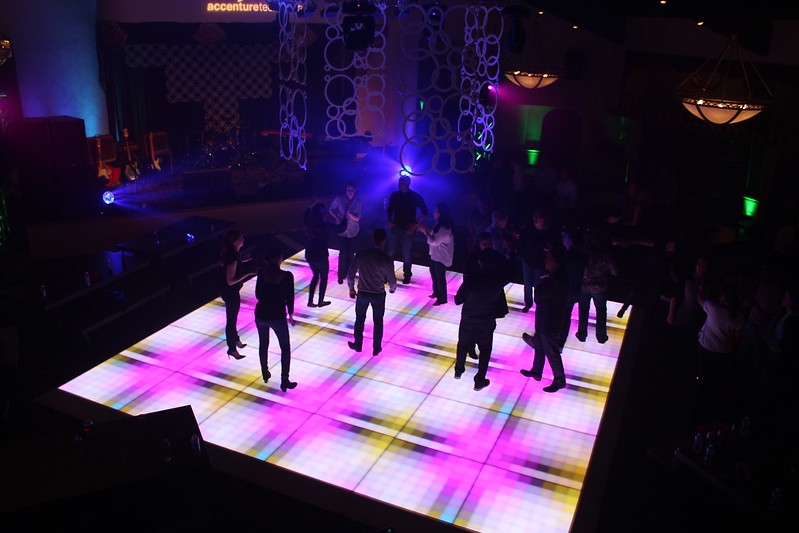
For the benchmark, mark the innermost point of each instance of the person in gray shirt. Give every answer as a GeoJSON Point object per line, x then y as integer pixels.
{"type": "Point", "coordinates": [374, 268]}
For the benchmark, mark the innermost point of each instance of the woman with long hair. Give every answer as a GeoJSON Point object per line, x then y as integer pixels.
{"type": "Point", "coordinates": [275, 310]}
{"type": "Point", "coordinates": [230, 283]}
{"type": "Point", "coordinates": [441, 241]}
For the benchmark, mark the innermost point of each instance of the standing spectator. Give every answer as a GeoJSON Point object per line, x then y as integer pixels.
{"type": "Point", "coordinates": [347, 207]}
{"type": "Point", "coordinates": [231, 280]}
{"type": "Point", "coordinates": [550, 300]}
{"type": "Point", "coordinates": [573, 264]}
{"type": "Point", "coordinates": [275, 293]}
{"type": "Point", "coordinates": [535, 241]}
{"type": "Point", "coordinates": [317, 252]}
{"type": "Point", "coordinates": [483, 298]}
{"type": "Point", "coordinates": [403, 205]}
{"type": "Point", "coordinates": [594, 288]}
{"type": "Point", "coordinates": [375, 268]}
{"type": "Point", "coordinates": [566, 197]}
{"type": "Point", "coordinates": [501, 238]}
{"type": "Point", "coordinates": [441, 241]}
{"type": "Point", "coordinates": [477, 220]}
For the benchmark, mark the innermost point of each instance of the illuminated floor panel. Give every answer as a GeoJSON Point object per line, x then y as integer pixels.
{"type": "Point", "coordinates": [397, 428]}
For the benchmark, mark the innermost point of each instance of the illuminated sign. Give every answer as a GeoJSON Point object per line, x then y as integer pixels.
{"type": "Point", "coordinates": [237, 7]}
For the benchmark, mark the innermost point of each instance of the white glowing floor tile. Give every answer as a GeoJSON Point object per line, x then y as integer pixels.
{"type": "Point", "coordinates": [173, 348]}
{"type": "Point", "coordinates": [413, 369]}
{"type": "Point", "coordinates": [543, 451]}
{"type": "Point", "coordinates": [331, 451]}
{"type": "Point", "coordinates": [117, 382]}
{"type": "Point", "coordinates": [421, 479]}
{"type": "Point", "coordinates": [178, 390]}
{"type": "Point", "coordinates": [503, 500]}
{"type": "Point", "coordinates": [575, 407]}
{"type": "Point", "coordinates": [455, 428]}
{"type": "Point", "coordinates": [252, 425]}
{"type": "Point", "coordinates": [396, 427]}
{"type": "Point", "coordinates": [373, 405]}
{"type": "Point", "coordinates": [501, 395]}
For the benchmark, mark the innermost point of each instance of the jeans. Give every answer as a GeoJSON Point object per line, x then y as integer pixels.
{"type": "Point", "coordinates": [362, 302]}
{"type": "Point", "coordinates": [601, 305]}
{"type": "Point", "coordinates": [345, 253]}
{"type": "Point", "coordinates": [398, 238]}
{"type": "Point", "coordinates": [531, 277]}
{"type": "Point", "coordinates": [438, 273]}
{"type": "Point", "coordinates": [281, 329]}
{"type": "Point", "coordinates": [546, 347]}
{"type": "Point", "coordinates": [479, 331]}
{"type": "Point", "coordinates": [320, 269]}
{"type": "Point", "coordinates": [232, 299]}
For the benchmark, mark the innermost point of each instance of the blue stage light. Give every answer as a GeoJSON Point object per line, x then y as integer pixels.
{"type": "Point", "coordinates": [108, 197]}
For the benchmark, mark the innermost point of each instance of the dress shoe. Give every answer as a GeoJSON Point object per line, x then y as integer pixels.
{"type": "Point", "coordinates": [432, 296]}
{"type": "Point", "coordinates": [376, 351]}
{"type": "Point", "coordinates": [286, 385]}
{"type": "Point", "coordinates": [311, 304]}
{"type": "Point", "coordinates": [240, 344]}
{"type": "Point", "coordinates": [323, 303]}
{"type": "Point", "coordinates": [406, 281]}
{"type": "Point", "coordinates": [234, 354]}
{"type": "Point", "coordinates": [480, 385]}
{"type": "Point", "coordinates": [530, 374]}
{"type": "Point", "coordinates": [525, 308]}
{"type": "Point", "coordinates": [529, 339]}
{"type": "Point", "coordinates": [621, 312]}
{"type": "Point", "coordinates": [581, 336]}
{"type": "Point", "coordinates": [267, 375]}
{"type": "Point", "coordinates": [341, 281]}
{"type": "Point", "coordinates": [353, 346]}
{"type": "Point", "coordinates": [473, 355]}
{"type": "Point", "coordinates": [555, 387]}
{"type": "Point", "coordinates": [458, 375]}
{"type": "Point", "coordinates": [439, 302]}
{"type": "Point", "coordinates": [602, 340]}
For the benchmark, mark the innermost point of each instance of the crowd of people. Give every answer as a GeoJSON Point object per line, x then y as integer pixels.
{"type": "Point", "coordinates": [725, 326]}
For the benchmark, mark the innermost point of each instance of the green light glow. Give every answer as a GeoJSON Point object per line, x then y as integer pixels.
{"type": "Point", "coordinates": [750, 206]}
{"type": "Point", "coordinates": [532, 157]}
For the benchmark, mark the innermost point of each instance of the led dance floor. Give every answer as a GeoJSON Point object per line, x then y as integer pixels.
{"type": "Point", "coordinates": [397, 428]}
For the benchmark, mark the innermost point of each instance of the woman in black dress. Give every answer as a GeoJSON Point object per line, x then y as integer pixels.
{"type": "Point", "coordinates": [231, 281]}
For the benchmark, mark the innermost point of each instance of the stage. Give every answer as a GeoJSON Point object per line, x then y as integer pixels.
{"type": "Point", "coordinates": [392, 439]}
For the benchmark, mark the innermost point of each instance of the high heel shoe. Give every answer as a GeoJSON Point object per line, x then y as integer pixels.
{"type": "Point", "coordinates": [234, 354]}
{"type": "Point", "coordinates": [286, 384]}
{"type": "Point", "coordinates": [266, 376]}
{"type": "Point", "coordinates": [240, 344]}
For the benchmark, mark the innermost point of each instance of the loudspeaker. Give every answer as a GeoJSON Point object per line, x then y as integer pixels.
{"type": "Point", "coordinates": [56, 176]}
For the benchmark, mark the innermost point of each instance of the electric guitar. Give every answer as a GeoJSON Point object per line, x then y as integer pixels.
{"type": "Point", "coordinates": [154, 161]}
{"type": "Point", "coordinates": [131, 165]}
{"type": "Point", "coordinates": [109, 175]}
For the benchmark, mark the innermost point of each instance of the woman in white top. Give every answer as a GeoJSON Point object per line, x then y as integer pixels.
{"type": "Point", "coordinates": [441, 241]}
{"type": "Point", "coordinates": [719, 337]}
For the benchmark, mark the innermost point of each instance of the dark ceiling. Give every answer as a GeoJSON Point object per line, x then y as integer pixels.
{"type": "Point", "coordinates": [749, 19]}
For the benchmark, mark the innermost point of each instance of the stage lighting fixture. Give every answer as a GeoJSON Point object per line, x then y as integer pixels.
{"type": "Point", "coordinates": [359, 31]}
{"type": "Point", "coordinates": [108, 198]}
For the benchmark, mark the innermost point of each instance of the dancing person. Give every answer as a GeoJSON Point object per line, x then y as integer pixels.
{"type": "Point", "coordinates": [550, 303]}
{"type": "Point", "coordinates": [403, 205]}
{"type": "Point", "coordinates": [441, 241]}
{"type": "Point", "coordinates": [274, 291]}
{"type": "Point", "coordinates": [374, 268]}
{"type": "Point", "coordinates": [534, 241]}
{"type": "Point", "coordinates": [231, 280]}
{"type": "Point", "coordinates": [317, 252]}
{"type": "Point", "coordinates": [347, 207]}
{"type": "Point", "coordinates": [482, 295]}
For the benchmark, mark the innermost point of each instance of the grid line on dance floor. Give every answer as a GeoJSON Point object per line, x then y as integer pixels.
{"type": "Point", "coordinates": [396, 428]}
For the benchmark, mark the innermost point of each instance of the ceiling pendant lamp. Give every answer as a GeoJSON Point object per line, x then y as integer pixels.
{"type": "Point", "coordinates": [721, 90]}
{"type": "Point", "coordinates": [539, 73]}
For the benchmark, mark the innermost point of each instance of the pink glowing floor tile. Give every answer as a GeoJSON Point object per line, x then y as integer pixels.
{"type": "Point", "coordinates": [208, 319]}
{"type": "Point", "coordinates": [215, 366]}
{"type": "Point", "coordinates": [589, 370]}
{"type": "Point", "coordinates": [515, 323]}
{"type": "Point", "coordinates": [502, 501]}
{"type": "Point", "coordinates": [454, 427]}
{"type": "Point", "coordinates": [331, 451]}
{"type": "Point", "coordinates": [252, 425]}
{"type": "Point", "coordinates": [316, 384]}
{"type": "Point", "coordinates": [423, 480]}
{"type": "Point", "coordinates": [117, 382]}
{"type": "Point", "coordinates": [178, 390]}
{"type": "Point", "coordinates": [173, 348]}
{"type": "Point", "coordinates": [394, 323]}
{"type": "Point", "coordinates": [501, 395]}
{"type": "Point", "coordinates": [543, 451]}
{"type": "Point", "coordinates": [433, 336]}
{"type": "Point", "coordinates": [373, 405]}
{"type": "Point", "coordinates": [407, 299]}
{"type": "Point", "coordinates": [448, 312]}
{"type": "Point", "coordinates": [413, 369]}
{"type": "Point", "coordinates": [329, 348]}
{"type": "Point", "coordinates": [575, 407]}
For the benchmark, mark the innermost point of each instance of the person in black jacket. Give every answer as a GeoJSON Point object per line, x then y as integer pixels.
{"type": "Point", "coordinates": [550, 301]}
{"type": "Point", "coordinates": [275, 293]}
{"type": "Point", "coordinates": [482, 295]}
